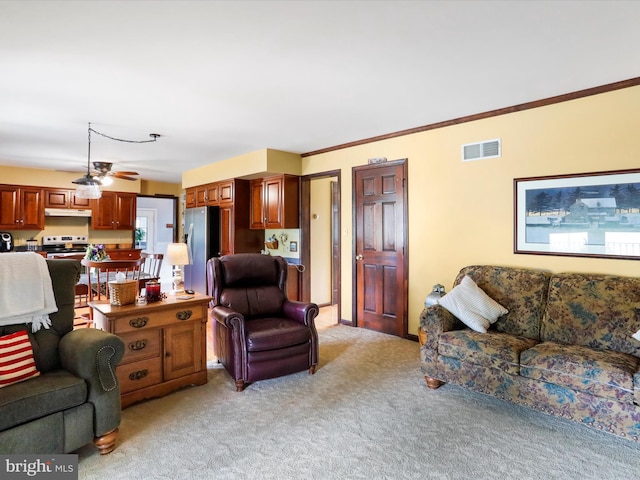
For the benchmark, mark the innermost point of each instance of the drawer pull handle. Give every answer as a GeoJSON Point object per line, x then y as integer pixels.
{"type": "Point", "coordinates": [138, 345]}
{"type": "Point", "coordinates": [183, 315]}
{"type": "Point", "coordinates": [139, 322]}
{"type": "Point", "coordinates": [139, 375]}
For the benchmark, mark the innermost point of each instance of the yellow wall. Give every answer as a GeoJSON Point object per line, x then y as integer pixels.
{"type": "Point", "coordinates": [462, 213]}
{"type": "Point", "coordinates": [250, 165]}
{"type": "Point", "coordinates": [160, 188]}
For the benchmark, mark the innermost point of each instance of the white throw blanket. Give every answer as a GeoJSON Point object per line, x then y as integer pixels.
{"type": "Point", "coordinates": [26, 292]}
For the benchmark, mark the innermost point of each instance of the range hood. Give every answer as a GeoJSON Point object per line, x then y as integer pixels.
{"type": "Point", "coordinates": [67, 212]}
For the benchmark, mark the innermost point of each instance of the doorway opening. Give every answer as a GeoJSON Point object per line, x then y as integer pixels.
{"type": "Point", "coordinates": [156, 228]}
{"type": "Point", "coordinates": [320, 241]}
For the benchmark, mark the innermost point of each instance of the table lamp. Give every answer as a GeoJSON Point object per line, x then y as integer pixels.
{"type": "Point", "coordinates": [177, 255]}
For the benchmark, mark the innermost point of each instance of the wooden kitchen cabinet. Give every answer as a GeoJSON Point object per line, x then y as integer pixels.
{"type": "Point", "coordinates": [275, 202]}
{"type": "Point", "coordinates": [190, 197]}
{"type": "Point", "coordinates": [21, 207]}
{"type": "Point", "coordinates": [165, 345]}
{"type": "Point", "coordinates": [114, 211]}
{"type": "Point", "coordinates": [235, 235]}
{"type": "Point", "coordinates": [64, 198]}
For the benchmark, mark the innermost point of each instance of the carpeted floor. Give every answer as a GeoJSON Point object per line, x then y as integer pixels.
{"type": "Point", "coordinates": [366, 414]}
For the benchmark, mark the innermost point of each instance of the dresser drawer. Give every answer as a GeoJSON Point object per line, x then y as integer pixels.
{"type": "Point", "coordinates": [137, 375]}
{"type": "Point", "coordinates": [169, 316]}
{"type": "Point", "coordinates": [140, 345]}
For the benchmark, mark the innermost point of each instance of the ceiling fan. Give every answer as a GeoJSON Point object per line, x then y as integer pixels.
{"type": "Point", "coordinates": [102, 170]}
{"type": "Point", "coordinates": [88, 186]}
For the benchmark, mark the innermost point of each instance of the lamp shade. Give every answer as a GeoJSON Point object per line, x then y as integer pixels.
{"type": "Point", "coordinates": [177, 254]}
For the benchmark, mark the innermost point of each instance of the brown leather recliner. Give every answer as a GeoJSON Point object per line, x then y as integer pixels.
{"type": "Point", "coordinates": [258, 332]}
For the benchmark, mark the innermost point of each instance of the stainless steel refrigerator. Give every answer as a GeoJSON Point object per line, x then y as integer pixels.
{"type": "Point", "coordinates": [202, 236]}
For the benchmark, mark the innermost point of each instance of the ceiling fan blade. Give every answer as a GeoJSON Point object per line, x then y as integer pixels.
{"type": "Point", "coordinates": [124, 177]}
{"type": "Point", "coordinates": [125, 173]}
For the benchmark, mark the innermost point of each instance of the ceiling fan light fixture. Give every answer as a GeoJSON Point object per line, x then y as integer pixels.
{"type": "Point", "coordinates": [106, 180]}
{"type": "Point", "coordinates": [88, 191]}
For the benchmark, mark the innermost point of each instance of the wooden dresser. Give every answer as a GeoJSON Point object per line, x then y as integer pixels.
{"type": "Point", "coordinates": [165, 344]}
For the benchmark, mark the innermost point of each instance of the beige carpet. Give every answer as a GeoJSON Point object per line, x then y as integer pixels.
{"type": "Point", "coordinates": [366, 414]}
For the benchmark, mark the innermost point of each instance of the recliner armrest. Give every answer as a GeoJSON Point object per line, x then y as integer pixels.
{"type": "Point", "coordinates": [300, 311]}
{"type": "Point", "coordinates": [226, 316]}
{"type": "Point", "coordinates": [92, 355]}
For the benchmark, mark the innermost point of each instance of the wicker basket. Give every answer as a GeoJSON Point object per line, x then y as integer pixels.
{"type": "Point", "coordinates": [123, 293]}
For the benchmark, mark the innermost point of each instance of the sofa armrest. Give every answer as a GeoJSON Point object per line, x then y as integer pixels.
{"type": "Point", "coordinates": [301, 312]}
{"type": "Point", "coordinates": [435, 320]}
{"type": "Point", "coordinates": [92, 355]}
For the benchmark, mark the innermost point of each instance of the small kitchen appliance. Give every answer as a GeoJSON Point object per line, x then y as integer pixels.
{"type": "Point", "coordinates": [6, 242]}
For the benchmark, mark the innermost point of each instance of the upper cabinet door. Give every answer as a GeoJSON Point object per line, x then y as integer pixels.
{"type": "Point", "coordinates": [114, 211]}
{"type": "Point", "coordinates": [275, 202]}
{"type": "Point", "coordinates": [21, 208]}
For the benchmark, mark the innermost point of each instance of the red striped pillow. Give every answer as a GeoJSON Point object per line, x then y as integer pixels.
{"type": "Point", "coordinates": [16, 359]}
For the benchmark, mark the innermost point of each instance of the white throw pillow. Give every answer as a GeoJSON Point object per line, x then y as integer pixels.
{"type": "Point", "coordinates": [468, 302]}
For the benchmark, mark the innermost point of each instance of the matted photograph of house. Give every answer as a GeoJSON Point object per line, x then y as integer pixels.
{"type": "Point", "coordinates": [589, 214]}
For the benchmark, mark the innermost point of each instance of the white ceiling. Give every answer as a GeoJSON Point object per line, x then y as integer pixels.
{"type": "Point", "coordinates": [218, 79]}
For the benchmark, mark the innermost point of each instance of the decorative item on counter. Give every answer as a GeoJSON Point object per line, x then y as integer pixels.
{"type": "Point", "coordinates": [434, 297]}
{"type": "Point", "coordinates": [122, 291]}
{"type": "Point", "coordinates": [32, 245]}
{"type": "Point", "coordinates": [96, 253]}
{"type": "Point", "coordinates": [142, 299]}
{"type": "Point", "coordinates": [152, 289]}
{"type": "Point", "coordinates": [271, 242]}
{"type": "Point", "coordinates": [177, 255]}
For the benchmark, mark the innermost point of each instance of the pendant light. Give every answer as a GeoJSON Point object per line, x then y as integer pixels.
{"type": "Point", "coordinates": [87, 186]}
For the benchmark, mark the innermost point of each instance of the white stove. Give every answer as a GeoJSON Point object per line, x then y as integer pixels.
{"type": "Point", "coordinates": [64, 245]}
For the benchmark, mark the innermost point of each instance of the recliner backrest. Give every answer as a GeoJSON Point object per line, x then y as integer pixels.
{"type": "Point", "coordinates": [251, 284]}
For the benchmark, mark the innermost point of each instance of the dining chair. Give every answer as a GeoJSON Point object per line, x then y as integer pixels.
{"type": "Point", "coordinates": [150, 268]}
{"type": "Point", "coordinates": [99, 273]}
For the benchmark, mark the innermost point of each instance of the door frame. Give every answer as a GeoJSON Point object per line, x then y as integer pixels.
{"type": "Point", "coordinates": [354, 269]}
{"type": "Point", "coordinates": [305, 234]}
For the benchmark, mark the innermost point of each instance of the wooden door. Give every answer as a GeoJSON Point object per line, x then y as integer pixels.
{"type": "Point", "coordinates": [380, 240]}
{"type": "Point", "coordinates": [226, 230]}
{"type": "Point", "coordinates": [125, 216]}
{"type": "Point", "coordinates": [32, 208]}
{"type": "Point", "coordinates": [9, 207]}
{"type": "Point", "coordinates": [183, 349]}
{"type": "Point", "coordinates": [102, 211]}
{"type": "Point", "coordinates": [256, 212]}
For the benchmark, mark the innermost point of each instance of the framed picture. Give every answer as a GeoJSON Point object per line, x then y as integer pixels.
{"type": "Point", "coordinates": [293, 246]}
{"type": "Point", "coordinates": [583, 215]}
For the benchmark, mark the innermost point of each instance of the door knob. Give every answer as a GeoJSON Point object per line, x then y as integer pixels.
{"type": "Point", "coordinates": [359, 257]}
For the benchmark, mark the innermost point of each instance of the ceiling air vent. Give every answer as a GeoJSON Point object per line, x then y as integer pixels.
{"type": "Point", "coordinates": [481, 150]}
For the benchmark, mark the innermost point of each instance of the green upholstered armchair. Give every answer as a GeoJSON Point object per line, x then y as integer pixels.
{"type": "Point", "coordinates": [76, 398]}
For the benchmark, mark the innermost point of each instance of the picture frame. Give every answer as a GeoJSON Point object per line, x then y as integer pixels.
{"type": "Point", "coordinates": [293, 246]}
{"type": "Point", "coordinates": [583, 215]}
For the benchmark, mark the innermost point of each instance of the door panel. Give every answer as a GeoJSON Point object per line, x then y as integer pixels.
{"type": "Point", "coordinates": [380, 230]}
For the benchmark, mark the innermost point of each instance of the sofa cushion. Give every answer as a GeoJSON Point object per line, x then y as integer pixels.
{"type": "Point", "coordinates": [274, 333]}
{"type": "Point", "coordinates": [40, 396]}
{"type": "Point", "coordinates": [597, 311]}
{"type": "Point", "coordinates": [472, 306]}
{"type": "Point", "coordinates": [492, 349]}
{"type": "Point", "coordinates": [602, 373]}
{"type": "Point", "coordinates": [522, 291]}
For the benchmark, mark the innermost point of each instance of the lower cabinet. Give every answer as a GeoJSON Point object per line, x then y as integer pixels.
{"type": "Point", "coordinates": [165, 345]}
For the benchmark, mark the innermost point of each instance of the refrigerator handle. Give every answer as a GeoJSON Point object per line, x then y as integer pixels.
{"type": "Point", "coordinates": [189, 242]}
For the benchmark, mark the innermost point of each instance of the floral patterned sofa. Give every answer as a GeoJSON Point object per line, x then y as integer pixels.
{"type": "Point", "coordinates": [565, 347]}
